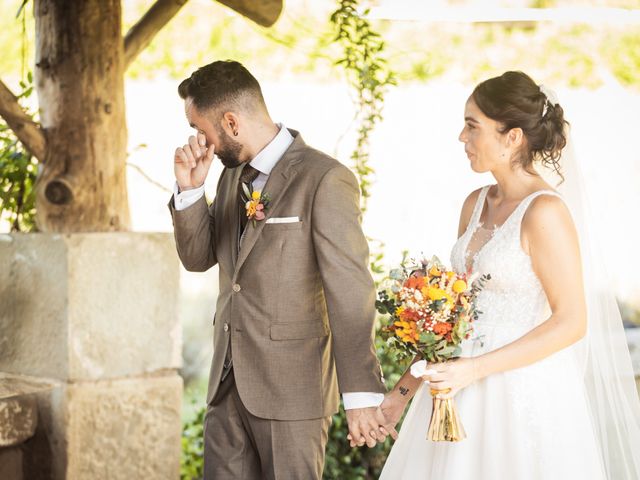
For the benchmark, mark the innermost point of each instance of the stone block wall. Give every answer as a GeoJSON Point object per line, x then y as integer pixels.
{"type": "Point", "coordinates": [91, 320]}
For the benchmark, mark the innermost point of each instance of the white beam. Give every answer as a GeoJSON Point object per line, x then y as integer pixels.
{"type": "Point", "coordinates": [423, 11]}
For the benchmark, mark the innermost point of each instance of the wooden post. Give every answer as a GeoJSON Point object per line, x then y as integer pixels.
{"type": "Point", "coordinates": [80, 83]}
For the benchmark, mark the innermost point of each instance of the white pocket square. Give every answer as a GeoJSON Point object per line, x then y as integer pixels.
{"type": "Point", "coordinates": [283, 220]}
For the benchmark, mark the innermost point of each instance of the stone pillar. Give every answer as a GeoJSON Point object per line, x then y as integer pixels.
{"type": "Point", "coordinates": [95, 316]}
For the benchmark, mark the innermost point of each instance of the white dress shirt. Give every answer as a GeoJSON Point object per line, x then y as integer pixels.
{"type": "Point", "coordinates": [264, 163]}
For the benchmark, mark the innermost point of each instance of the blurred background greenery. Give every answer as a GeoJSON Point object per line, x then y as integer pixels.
{"type": "Point", "coordinates": [301, 44]}
{"type": "Point", "coordinates": [301, 49]}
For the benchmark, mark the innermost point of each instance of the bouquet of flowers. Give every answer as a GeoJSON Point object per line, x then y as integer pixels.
{"type": "Point", "coordinates": [431, 312]}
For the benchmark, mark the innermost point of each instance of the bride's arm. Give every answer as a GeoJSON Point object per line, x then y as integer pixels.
{"type": "Point", "coordinates": [397, 399]}
{"type": "Point", "coordinates": [550, 238]}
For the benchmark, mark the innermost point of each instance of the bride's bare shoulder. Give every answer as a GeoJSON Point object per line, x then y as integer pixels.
{"type": "Point", "coordinates": [548, 220]}
{"type": "Point", "coordinates": [472, 198]}
{"type": "Point", "coordinates": [546, 210]}
{"type": "Point", "coordinates": [467, 210]}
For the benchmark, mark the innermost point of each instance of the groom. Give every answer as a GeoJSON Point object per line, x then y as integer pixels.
{"type": "Point", "coordinates": [295, 311]}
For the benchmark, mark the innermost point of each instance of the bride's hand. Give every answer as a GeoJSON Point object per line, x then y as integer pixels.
{"type": "Point", "coordinates": [453, 375]}
{"type": "Point", "coordinates": [392, 408]}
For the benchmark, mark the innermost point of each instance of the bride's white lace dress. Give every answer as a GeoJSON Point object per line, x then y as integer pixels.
{"type": "Point", "coordinates": [530, 423]}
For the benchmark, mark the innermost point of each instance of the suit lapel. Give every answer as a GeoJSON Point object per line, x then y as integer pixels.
{"type": "Point", "coordinates": [277, 183]}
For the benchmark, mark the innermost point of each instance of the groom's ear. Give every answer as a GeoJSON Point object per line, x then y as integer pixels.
{"type": "Point", "coordinates": [230, 123]}
{"type": "Point", "coordinates": [515, 137]}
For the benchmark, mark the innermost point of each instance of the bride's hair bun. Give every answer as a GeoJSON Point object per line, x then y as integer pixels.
{"type": "Point", "coordinates": [514, 100]}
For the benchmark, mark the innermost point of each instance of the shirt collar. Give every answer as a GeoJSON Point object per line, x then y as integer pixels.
{"type": "Point", "coordinates": [273, 152]}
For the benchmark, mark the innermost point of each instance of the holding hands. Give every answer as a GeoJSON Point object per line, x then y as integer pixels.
{"type": "Point", "coordinates": [372, 425]}
{"type": "Point", "coordinates": [369, 426]}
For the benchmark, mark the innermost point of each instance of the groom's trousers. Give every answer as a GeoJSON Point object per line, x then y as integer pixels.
{"type": "Point", "coordinates": [239, 445]}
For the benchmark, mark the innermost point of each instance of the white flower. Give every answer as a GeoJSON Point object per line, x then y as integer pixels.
{"type": "Point", "coordinates": [420, 369]}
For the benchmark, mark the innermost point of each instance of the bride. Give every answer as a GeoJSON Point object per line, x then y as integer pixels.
{"type": "Point", "coordinates": [544, 388]}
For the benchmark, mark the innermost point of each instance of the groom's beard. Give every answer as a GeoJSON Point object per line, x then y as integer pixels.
{"type": "Point", "coordinates": [228, 150]}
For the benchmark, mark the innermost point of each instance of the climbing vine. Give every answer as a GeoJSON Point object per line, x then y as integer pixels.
{"type": "Point", "coordinates": [368, 74]}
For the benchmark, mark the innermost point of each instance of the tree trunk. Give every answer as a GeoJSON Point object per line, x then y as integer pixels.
{"type": "Point", "coordinates": [79, 76]}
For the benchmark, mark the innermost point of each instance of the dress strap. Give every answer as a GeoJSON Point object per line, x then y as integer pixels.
{"type": "Point", "coordinates": [477, 210]}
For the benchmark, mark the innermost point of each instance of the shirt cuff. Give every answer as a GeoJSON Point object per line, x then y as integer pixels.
{"type": "Point", "coordinates": [187, 198]}
{"type": "Point", "coordinates": [361, 400]}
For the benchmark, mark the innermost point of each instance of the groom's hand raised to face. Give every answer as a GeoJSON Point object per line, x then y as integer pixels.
{"type": "Point", "coordinates": [192, 162]}
{"type": "Point", "coordinates": [368, 425]}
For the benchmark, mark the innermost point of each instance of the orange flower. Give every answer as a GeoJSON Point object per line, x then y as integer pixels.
{"type": "Point", "coordinates": [415, 283]}
{"type": "Point", "coordinates": [407, 331]}
{"type": "Point", "coordinates": [442, 328]}
{"type": "Point", "coordinates": [408, 314]}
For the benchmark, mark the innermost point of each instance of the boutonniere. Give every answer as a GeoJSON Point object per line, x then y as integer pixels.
{"type": "Point", "coordinates": [255, 203]}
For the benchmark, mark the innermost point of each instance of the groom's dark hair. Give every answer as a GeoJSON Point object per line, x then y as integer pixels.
{"type": "Point", "coordinates": [223, 85]}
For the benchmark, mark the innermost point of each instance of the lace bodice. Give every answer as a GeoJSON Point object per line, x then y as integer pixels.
{"type": "Point", "coordinates": [514, 296]}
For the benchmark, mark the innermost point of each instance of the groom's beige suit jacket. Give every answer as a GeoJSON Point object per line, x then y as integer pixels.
{"type": "Point", "coordinates": [296, 303]}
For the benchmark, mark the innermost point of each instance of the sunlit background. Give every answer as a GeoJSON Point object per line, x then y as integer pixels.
{"type": "Point", "coordinates": [439, 50]}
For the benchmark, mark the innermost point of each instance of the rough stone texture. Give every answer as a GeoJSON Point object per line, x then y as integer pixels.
{"type": "Point", "coordinates": [112, 429]}
{"type": "Point", "coordinates": [19, 410]}
{"type": "Point", "coordinates": [12, 385]}
{"type": "Point", "coordinates": [18, 419]}
{"type": "Point", "coordinates": [88, 306]}
{"type": "Point", "coordinates": [125, 429]}
{"type": "Point", "coordinates": [11, 464]}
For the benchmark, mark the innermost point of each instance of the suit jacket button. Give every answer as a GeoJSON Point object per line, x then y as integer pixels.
{"type": "Point", "coordinates": [226, 327]}
{"type": "Point", "coordinates": [236, 287]}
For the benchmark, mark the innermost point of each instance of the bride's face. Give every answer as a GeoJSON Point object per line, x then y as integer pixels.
{"type": "Point", "coordinates": [484, 145]}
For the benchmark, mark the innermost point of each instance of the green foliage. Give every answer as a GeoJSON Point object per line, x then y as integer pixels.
{"type": "Point", "coordinates": [623, 53]}
{"type": "Point", "coordinates": [17, 34]}
{"type": "Point", "coordinates": [630, 313]}
{"type": "Point", "coordinates": [345, 463]}
{"type": "Point", "coordinates": [369, 75]}
{"type": "Point", "coordinates": [579, 61]}
{"type": "Point", "coordinates": [543, 3]}
{"type": "Point", "coordinates": [18, 169]}
{"type": "Point", "coordinates": [192, 460]}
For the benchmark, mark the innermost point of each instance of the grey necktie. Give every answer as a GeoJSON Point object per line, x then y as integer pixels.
{"type": "Point", "coordinates": [248, 176]}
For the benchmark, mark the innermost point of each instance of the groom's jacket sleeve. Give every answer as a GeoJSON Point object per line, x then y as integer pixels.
{"type": "Point", "coordinates": [194, 231]}
{"type": "Point", "coordinates": [343, 258]}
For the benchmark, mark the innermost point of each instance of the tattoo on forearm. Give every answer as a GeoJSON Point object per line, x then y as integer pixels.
{"type": "Point", "coordinates": [403, 391]}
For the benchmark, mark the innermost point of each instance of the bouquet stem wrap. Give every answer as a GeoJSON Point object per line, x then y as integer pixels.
{"type": "Point", "coordinates": [445, 424]}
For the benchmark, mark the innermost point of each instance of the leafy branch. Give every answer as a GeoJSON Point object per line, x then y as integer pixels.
{"type": "Point", "coordinates": [368, 73]}
{"type": "Point", "coordinates": [18, 170]}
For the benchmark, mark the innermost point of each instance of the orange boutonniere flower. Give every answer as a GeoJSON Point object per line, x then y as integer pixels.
{"type": "Point", "coordinates": [255, 203]}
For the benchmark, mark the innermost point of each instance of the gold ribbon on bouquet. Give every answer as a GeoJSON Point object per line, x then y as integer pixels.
{"type": "Point", "coordinates": [445, 424]}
